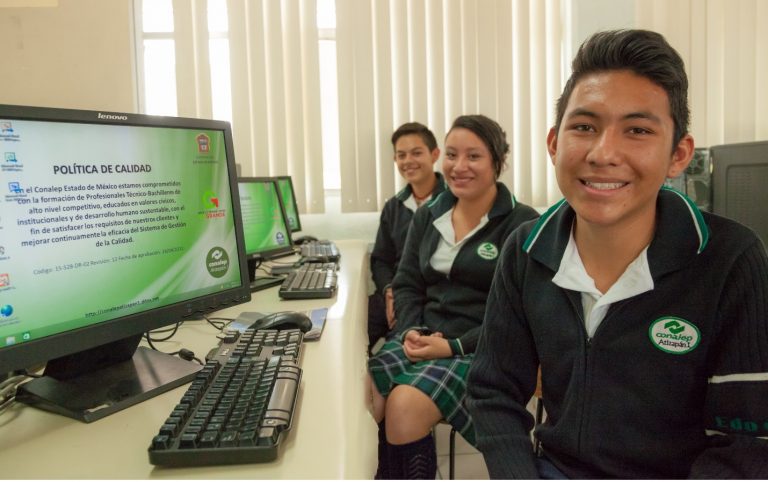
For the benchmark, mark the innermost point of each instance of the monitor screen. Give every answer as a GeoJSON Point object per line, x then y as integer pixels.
{"type": "Point", "coordinates": [267, 235]}
{"type": "Point", "coordinates": [112, 225]}
{"type": "Point", "coordinates": [264, 223]}
{"type": "Point", "coordinates": [289, 201]}
{"type": "Point", "coordinates": [739, 180]}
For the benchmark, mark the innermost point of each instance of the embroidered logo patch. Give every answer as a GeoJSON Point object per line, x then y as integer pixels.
{"type": "Point", "coordinates": [488, 251]}
{"type": "Point", "coordinates": [674, 335]}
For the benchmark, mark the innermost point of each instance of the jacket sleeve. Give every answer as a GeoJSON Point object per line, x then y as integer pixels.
{"type": "Point", "coordinates": [384, 254]}
{"type": "Point", "coordinates": [409, 285]}
{"type": "Point", "coordinates": [501, 380]}
{"type": "Point", "coordinates": [737, 390]}
{"type": "Point", "coordinates": [467, 343]}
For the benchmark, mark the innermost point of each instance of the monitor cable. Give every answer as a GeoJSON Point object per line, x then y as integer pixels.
{"type": "Point", "coordinates": [164, 330]}
{"type": "Point", "coordinates": [9, 386]}
{"type": "Point", "coordinates": [183, 353]}
{"type": "Point", "coordinates": [218, 322]}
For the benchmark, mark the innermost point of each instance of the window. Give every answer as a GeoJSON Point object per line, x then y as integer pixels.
{"type": "Point", "coordinates": [329, 100]}
{"type": "Point", "coordinates": [157, 71]}
{"type": "Point", "coordinates": [157, 92]}
{"type": "Point", "coordinates": [218, 57]}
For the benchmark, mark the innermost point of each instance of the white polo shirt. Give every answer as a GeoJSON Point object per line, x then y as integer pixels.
{"type": "Point", "coordinates": [572, 275]}
{"type": "Point", "coordinates": [447, 249]}
{"type": "Point", "coordinates": [411, 203]}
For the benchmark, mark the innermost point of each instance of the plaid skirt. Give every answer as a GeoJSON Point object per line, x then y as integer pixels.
{"type": "Point", "coordinates": [444, 380]}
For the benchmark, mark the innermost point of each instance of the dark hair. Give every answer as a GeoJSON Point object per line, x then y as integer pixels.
{"type": "Point", "coordinates": [416, 128]}
{"type": "Point", "coordinates": [642, 52]}
{"type": "Point", "coordinates": [490, 132]}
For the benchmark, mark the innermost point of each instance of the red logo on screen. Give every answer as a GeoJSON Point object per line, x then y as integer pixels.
{"type": "Point", "coordinates": [203, 143]}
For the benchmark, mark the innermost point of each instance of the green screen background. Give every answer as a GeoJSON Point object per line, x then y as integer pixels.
{"type": "Point", "coordinates": [290, 203]}
{"type": "Point", "coordinates": [53, 287]}
{"type": "Point", "coordinates": [264, 228]}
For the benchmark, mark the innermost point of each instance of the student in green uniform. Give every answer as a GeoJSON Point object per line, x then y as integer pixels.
{"type": "Point", "coordinates": [416, 152]}
{"type": "Point", "coordinates": [440, 290]}
{"type": "Point", "coordinates": [647, 317]}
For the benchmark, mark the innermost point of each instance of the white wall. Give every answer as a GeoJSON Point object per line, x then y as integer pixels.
{"type": "Point", "coordinates": [78, 54]}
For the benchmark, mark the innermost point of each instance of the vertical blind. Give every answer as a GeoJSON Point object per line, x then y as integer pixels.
{"type": "Point", "coordinates": [432, 60]}
{"type": "Point", "coordinates": [276, 93]}
{"type": "Point", "coordinates": [275, 84]}
{"type": "Point", "coordinates": [725, 48]}
{"type": "Point", "coordinates": [398, 61]}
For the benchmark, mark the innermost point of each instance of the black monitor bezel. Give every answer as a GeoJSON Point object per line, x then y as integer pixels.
{"type": "Point", "coordinates": [726, 156]}
{"type": "Point", "coordinates": [32, 353]}
{"type": "Point", "coordinates": [281, 251]}
{"type": "Point", "coordinates": [295, 204]}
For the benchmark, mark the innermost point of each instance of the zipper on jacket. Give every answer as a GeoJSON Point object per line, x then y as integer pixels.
{"type": "Point", "coordinates": [587, 344]}
{"type": "Point", "coordinates": [589, 340]}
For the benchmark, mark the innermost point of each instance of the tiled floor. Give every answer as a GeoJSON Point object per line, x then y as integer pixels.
{"type": "Point", "coordinates": [469, 462]}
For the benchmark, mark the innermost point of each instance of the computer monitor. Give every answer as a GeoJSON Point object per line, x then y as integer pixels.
{"type": "Point", "coordinates": [112, 225]}
{"type": "Point", "coordinates": [289, 201]}
{"type": "Point", "coordinates": [267, 235]}
{"type": "Point", "coordinates": [740, 184]}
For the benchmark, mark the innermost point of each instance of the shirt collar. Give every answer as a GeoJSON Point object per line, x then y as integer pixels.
{"type": "Point", "coordinates": [502, 205]}
{"type": "Point", "coordinates": [444, 226]}
{"type": "Point", "coordinates": [681, 234]}
{"type": "Point", "coordinates": [407, 192]}
{"type": "Point", "coordinates": [572, 275]}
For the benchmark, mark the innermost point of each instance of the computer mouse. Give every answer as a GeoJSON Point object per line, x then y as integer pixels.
{"type": "Point", "coordinates": [304, 239]}
{"type": "Point", "coordinates": [284, 320]}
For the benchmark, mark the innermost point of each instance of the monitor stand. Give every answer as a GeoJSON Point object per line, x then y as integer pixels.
{"type": "Point", "coordinates": [259, 283]}
{"type": "Point", "coordinates": [91, 395]}
{"type": "Point", "coordinates": [264, 282]}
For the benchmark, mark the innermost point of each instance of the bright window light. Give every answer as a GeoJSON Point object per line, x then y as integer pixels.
{"type": "Point", "coordinates": [329, 111]}
{"type": "Point", "coordinates": [221, 85]}
{"type": "Point", "coordinates": [157, 16]}
{"type": "Point", "coordinates": [160, 77]}
{"type": "Point", "coordinates": [326, 14]}
{"type": "Point", "coordinates": [217, 16]}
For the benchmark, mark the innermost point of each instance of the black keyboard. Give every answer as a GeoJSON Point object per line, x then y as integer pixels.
{"type": "Point", "coordinates": [319, 265]}
{"type": "Point", "coordinates": [308, 282]}
{"type": "Point", "coordinates": [282, 269]}
{"type": "Point", "coordinates": [238, 406]}
{"type": "Point", "coordinates": [319, 251]}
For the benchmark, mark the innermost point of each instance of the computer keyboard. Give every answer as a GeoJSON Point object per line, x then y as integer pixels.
{"type": "Point", "coordinates": [321, 266]}
{"type": "Point", "coordinates": [239, 405]}
{"type": "Point", "coordinates": [319, 251]}
{"type": "Point", "coordinates": [281, 269]}
{"type": "Point", "coordinates": [310, 282]}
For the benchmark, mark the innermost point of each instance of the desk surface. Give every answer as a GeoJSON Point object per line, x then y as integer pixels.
{"type": "Point", "coordinates": [333, 434]}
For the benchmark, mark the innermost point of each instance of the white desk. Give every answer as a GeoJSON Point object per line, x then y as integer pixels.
{"type": "Point", "coordinates": [333, 434]}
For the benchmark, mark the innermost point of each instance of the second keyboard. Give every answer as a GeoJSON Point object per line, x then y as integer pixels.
{"type": "Point", "coordinates": [308, 282]}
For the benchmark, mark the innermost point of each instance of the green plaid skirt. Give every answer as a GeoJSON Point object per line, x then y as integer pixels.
{"type": "Point", "coordinates": [443, 380]}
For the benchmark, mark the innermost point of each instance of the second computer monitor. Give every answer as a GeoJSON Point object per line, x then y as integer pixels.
{"type": "Point", "coordinates": [264, 223]}
{"type": "Point", "coordinates": [289, 201]}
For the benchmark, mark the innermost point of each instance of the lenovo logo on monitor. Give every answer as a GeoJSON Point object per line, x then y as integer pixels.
{"type": "Point", "coordinates": [112, 116]}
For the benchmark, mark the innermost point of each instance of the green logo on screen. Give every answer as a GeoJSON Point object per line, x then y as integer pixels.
{"type": "Point", "coordinates": [217, 262]}
{"type": "Point", "coordinates": [674, 335]}
{"type": "Point", "coordinates": [488, 251]}
{"type": "Point", "coordinates": [210, 200]}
